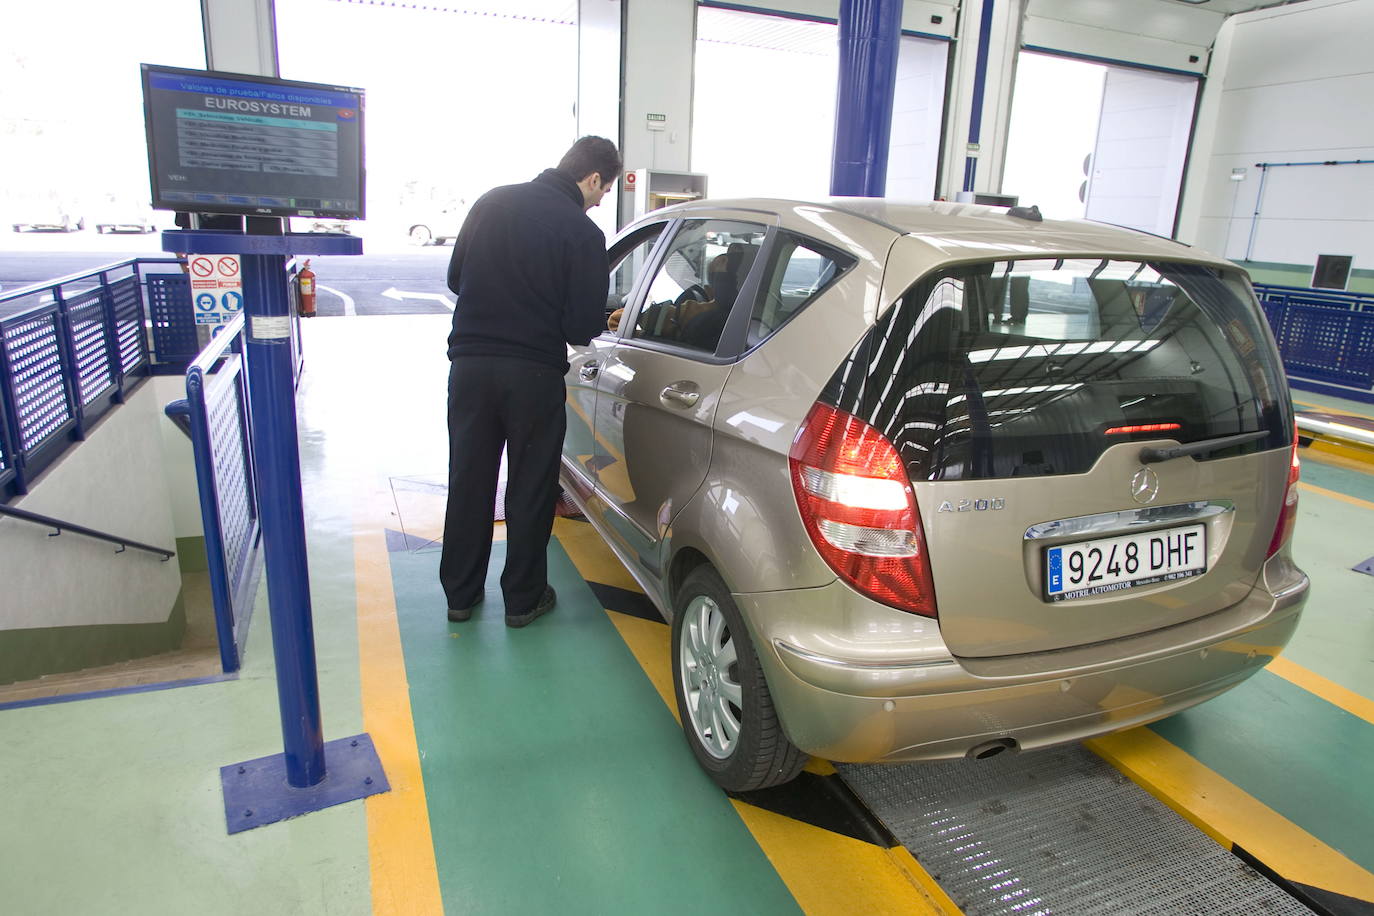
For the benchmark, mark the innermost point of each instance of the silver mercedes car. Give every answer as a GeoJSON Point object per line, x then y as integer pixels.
{"type": "Point", "coordinates": [927, 481]}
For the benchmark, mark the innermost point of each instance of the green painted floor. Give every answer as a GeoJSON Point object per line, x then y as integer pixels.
{"type": "Point", "coordinates": [1297, 753]}
{"type": "Point", "coordinates": [557, 780]}
{"type": "Point", "coordinates": [1307, 758]}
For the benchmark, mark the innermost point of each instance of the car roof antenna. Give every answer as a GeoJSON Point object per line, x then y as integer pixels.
{"type": "Point", "coordinates": [1031, 213]}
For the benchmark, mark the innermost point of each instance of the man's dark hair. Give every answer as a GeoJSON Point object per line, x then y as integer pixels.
{"type": "Point", "coordinates": [591, 154]}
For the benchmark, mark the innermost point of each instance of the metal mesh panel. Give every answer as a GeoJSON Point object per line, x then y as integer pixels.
{"type": "Point", "coordinates": [1317, 340]}
{"type": "Point", "coordinates": [224, 409]}
{"type": "Point", "coordinates": [40, 392]}
{"type": "Point", "coordinates": [128, 310]}
{"type": "Point", "coordinates": [1057, 831]}
{"type": "Point", "coordinates": [90, 342]}
{"type": "Point", "coordinates": [174, 324]}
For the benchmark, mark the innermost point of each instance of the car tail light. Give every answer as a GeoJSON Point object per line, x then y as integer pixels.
{"type": "Point", "coordinates": [858, 507]}
{"type": "Point", "coordinates": [1288, 514]}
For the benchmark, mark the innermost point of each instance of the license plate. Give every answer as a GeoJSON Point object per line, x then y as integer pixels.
{"type": "Point", "coordinates": [1114, 564]}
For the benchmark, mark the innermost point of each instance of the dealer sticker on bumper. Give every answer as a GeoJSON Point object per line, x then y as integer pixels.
{"type": "Point", "coordinates": [1114, 564]}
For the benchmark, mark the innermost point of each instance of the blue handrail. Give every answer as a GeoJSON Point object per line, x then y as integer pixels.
{"type": "Point", "coordinates": [218, 427]}
{"type": "Point", "coordinates": [70, 349]}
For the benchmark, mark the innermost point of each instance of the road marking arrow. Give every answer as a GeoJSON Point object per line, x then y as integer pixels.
{"type": "Point", "coordinates": [349, 308]}
{"type": "Point", "coordinates": [394, 293]}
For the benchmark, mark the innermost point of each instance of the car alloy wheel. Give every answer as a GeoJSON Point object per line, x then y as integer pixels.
{"type": "Point", "coordinates": [710, 673]}
{"type": "Point", "coordinates": [420, 235]}
{"type": "Point", "coordinates": [726, 710]}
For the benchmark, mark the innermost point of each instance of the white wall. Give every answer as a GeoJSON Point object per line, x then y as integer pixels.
{"type": "Point", "coordinates": [660, 36]}
{"type": "Point", "coordinates": [917, 15]}
{"type": "Point", "coordinates": [178, 461]}
{"type": "Point", "coordinates": [114, 481]}
{"type": "Point", "coordinates": [1142, 32]}
{"type": "Point", "coordinates": [1289, 84]}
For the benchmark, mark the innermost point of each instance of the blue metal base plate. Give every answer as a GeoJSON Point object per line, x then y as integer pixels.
{"type": "Point", "coordinates": [256, 792]}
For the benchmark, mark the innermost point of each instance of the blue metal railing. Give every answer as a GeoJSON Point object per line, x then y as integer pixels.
{"type": "Point", "coordinates": [217, 407]}
{"type": "Point", "coordinates": [1325, 336]}
{"type": "Point", "coordinates": [69, 350]}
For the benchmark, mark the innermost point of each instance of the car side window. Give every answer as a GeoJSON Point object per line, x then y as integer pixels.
{"type": "Point", "coordinates": [627, 263]}
{"type": "Point", "coordinates": [696, 286]}
{"type": "Point", "coordinates": [798, 271]}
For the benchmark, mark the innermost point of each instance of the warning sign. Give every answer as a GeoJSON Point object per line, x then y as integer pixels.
{"type": "Point", "coordinates": [216, 287]}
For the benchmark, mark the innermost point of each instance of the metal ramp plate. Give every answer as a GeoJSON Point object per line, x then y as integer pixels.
{"type": "Point", "coordinates": [1057, 831]}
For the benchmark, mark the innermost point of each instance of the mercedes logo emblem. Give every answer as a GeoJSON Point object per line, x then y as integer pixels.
{"type": "Point", "coordinates": [1144, 486]}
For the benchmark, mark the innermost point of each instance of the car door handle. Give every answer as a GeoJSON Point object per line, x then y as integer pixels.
{"type": "Point", "coordinates": [680, 394]}
{"type": "Point", "coordinates": [589, 370]}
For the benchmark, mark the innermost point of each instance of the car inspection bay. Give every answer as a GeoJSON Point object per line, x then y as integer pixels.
{"type": "Point", "coordinates": [596, 761]}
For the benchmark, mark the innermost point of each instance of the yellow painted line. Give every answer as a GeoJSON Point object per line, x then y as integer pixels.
{"type": "Point", "coordinates": [1230, 815]}
{"type": "Point", "coordinates": [1321, 408]}
{"type": "Point", "coordinates": [1361, 457]}
{"type": "Point", "coordinates": [826, 872]}
{"type": "Point", "coordinates": [831, 873]}
{"type": "Point", "coordinates": [1328, 690]}
{"type": "Point", "coordinates": [1334, 458]}
{"type": "Point", "coordinates": [1322, 491]}
{"type": "Point", "coordinates": [405, 879]}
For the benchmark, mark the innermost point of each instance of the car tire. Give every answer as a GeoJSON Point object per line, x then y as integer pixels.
{"type": "Point", "coordinates": [420, 235]}
{"type": "Point", "coordinates": [721, 689]}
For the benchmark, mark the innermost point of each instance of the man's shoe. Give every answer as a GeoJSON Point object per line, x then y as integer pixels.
{"type": "Point", "coordinates": [460, 614]}
{"type": "Point", "coordinates": [546, 603]}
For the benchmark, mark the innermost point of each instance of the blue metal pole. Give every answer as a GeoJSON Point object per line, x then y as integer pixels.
{"type": "Point", "coordinates": [870, 32]}
{"type": "Point", "coordinates": [276, 456]}
{"type": "Point", "coordinates": [980, 81]}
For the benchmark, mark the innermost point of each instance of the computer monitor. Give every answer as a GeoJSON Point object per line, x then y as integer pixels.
{"type": "Point", "coordinates": [238, 144]}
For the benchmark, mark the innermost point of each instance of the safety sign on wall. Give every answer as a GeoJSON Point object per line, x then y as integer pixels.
{"type": "Point", "coordinates": [216, 287]}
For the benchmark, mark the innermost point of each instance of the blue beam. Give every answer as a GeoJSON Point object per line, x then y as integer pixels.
{"type": "Point", "coordinates": [980, 82]}
{"type": "Point", "coordinates": [870, 32]}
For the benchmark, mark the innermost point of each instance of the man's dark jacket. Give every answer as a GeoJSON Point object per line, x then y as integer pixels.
{"type": "Point", "coordinates": [530, 273]}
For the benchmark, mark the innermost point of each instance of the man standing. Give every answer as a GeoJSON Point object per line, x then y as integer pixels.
{"type": "Point", "coordinates": [530, 274]}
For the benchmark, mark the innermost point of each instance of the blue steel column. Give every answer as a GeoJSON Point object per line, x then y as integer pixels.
{"type": "Point", "coordinates": [870, 33]}
{"type": "Point", "coordinates": [276, 456]}
{"type": "Point", "coordinates": [980, 82]}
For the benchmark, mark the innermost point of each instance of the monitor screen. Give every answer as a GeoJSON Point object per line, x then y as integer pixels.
{"type": "Point", "coordinates": [231, 143]}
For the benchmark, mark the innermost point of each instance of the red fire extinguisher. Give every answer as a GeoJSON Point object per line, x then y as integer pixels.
{"type": "Point", "coordinates": [306, 283]}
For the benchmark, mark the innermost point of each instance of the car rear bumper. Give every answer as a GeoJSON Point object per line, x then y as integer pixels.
{"type": "Point", "coordinates": [934, 706]}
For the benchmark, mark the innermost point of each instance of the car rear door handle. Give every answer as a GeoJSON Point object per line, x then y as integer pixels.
{"type": "Point", "coordinates": [589, 370]}
{"type": "Point", "coordinates": [680, 394]}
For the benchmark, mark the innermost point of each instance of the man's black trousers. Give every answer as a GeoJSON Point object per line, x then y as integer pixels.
{"type": "Point", "coordinates": [496, 402]}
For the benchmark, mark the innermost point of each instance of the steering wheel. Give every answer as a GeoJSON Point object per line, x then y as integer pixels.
{"type": "Point", "coordinates": [695, 291]}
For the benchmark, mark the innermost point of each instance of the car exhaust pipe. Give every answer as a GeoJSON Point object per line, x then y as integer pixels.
{"type": "Point", "coordinates": [991, 748]}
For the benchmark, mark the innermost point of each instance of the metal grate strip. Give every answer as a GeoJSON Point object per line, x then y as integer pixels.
{"type": "Point", "coordinates": [1057, 831]}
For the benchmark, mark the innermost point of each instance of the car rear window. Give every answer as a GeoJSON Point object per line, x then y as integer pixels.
{"type": "Point", "coordinates": [1034, 367]}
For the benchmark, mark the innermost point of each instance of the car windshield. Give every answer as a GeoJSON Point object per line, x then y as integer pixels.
{"type": "Point", "coordinates": [1035, 367]}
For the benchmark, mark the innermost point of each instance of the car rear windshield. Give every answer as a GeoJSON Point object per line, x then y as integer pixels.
{"type": "Point", "coordinates": [1034, 367]}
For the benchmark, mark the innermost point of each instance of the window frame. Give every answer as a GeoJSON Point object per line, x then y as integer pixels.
{"type": "Point", "coordinates": [619, 250]}
{"type": "Point", "coordinates": [844, 262]}
{"type": "Point", "coordinates": [730, 346]}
